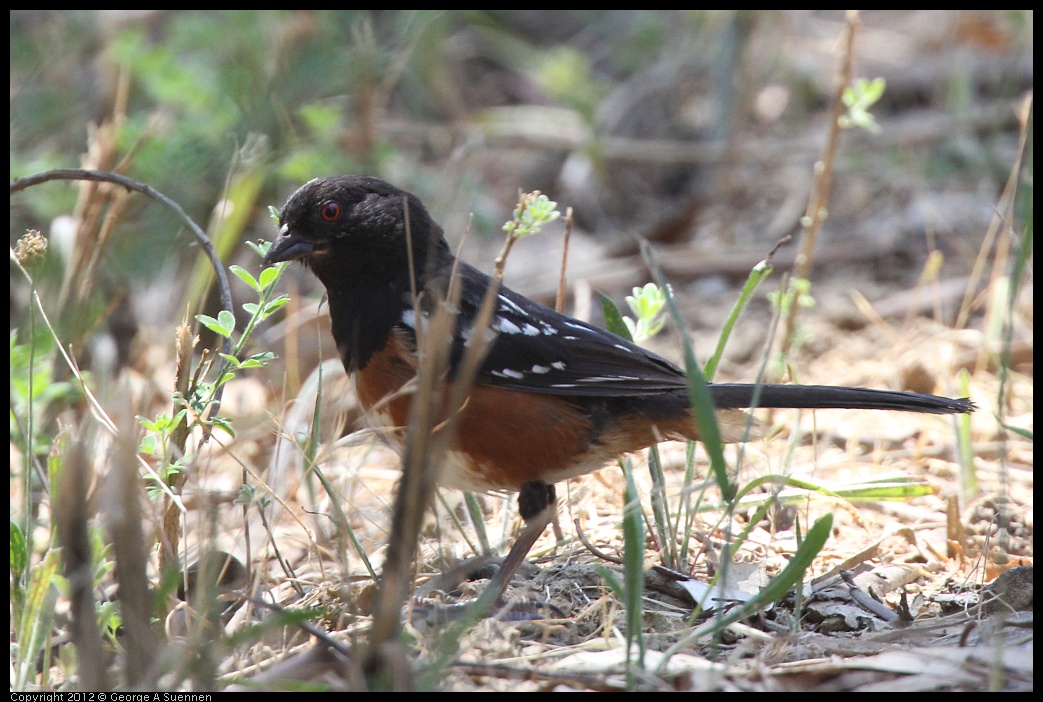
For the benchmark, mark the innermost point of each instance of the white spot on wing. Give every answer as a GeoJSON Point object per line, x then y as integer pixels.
{"type": "Point", "coordinates": [540, 369]}
{"type": "Point", "coordinates": [506, 326]}
{"type": "Point", "coordinates": [509, 373]}
{"type": "Point", "coordinates": [558, 365]}
{"type": "Point", "coordinates": [512, 305]}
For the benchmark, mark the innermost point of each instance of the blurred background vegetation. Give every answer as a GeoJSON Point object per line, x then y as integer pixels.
{"type": "Point", "coordinates": [635, 118]}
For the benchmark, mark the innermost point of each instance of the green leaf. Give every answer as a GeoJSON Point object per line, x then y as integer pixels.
{"type": "Point", "coordinates": [872, 90]}
{"type": "Point", "coordinates": [613, 319]}
{"type": "Point", "coordinates": [612, 581]}
{"type": "Point", "coordinates": [163, 422]}
{"type": "Point", "coordinates": [148, 444]}
{"type": "Point", "coordinates": [647, 304]}
{"type": "Point", "coordinates": [529, 219]}
{"type": "Point", "coordinates": [273, 305]}
{"type": "Point", "coordinates": [268, 276]}
{"type": "Point", "coordinates": [232, 360]}
{"type": "Point", "coordinates": [19, 552]}
{"type": "Point", "coordinates": [759, 272]}
{"type": "Point", "coordinates": [1023, 433]}
{"type": "Point", "coordinates": [224, 325]}
{"type": "Point", "coordinates": [633, 564]}
{"type": "Point", "coordinates": [246, 495]}
{"type": "Point", "coordinates": [34, 631]}
{"type": "Point", "coordinates": [211, 324]}
{"type": "Point", "coordinates": [148, 423]}
{"type": "Point", "coordinates": [245, 276]}
{"type": "Point", "coordinates": [227, 320]}
{"type": "Point", "coordinates": [858, 98]}
{"type": "Point", "coordinates": [259, 360]}
{"type": "Point", "coordinates": [261, 248]}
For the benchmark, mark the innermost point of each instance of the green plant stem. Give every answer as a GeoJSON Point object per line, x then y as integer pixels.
{"type": "Point", "coordinates": [761, 271]}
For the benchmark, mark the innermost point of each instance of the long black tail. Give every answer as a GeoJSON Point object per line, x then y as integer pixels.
{"type": "Point", "coordinates": [741, 395]}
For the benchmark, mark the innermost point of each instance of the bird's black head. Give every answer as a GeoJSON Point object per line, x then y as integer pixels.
{"type": "Point", "coordinates": [351, 229]}
{"type": "Point", "coordinates": [353, 232]}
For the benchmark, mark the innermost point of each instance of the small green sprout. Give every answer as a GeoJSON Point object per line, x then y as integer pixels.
{"type": "Point", "coordinates": [859, 98]}
{"type": "Point", "coordinates": [647, 304]}
{"type": "Point", "coordinates": [533, 211]}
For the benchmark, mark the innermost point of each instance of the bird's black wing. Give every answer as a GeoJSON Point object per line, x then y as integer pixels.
{"type": "Point", "coordinates": [539, 350]}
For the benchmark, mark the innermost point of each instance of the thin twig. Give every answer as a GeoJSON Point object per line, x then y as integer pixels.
{"type": "Point", "coordinates": [592, 548]}
{"type": "Point", "coordinates": [225, 292]}
{"type": "Point", "coordinates": [817, 203]}
{"type": "Point", "coordinates": [559, 303]}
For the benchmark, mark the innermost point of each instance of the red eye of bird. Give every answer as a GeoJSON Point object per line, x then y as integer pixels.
{"type": "Point", "coordinates": [330, 211]}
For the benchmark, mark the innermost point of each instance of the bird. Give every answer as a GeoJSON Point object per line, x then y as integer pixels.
{"type": "Point", "coordinates": [554, 397]}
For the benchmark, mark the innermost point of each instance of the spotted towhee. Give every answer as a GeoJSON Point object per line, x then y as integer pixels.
{"type": "Point", "coordinates": [554, 398]}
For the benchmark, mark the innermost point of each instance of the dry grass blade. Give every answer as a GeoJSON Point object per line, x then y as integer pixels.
{"type": "Point", "coordinates": [72, 518]}
{"type": "Point", "coordinates": [123, 517]}
{"type": "Point", "coordinates": [434, 413]}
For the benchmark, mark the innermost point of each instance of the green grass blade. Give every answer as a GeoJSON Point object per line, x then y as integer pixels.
{"type": "Point", "coordinates": [791, 576]}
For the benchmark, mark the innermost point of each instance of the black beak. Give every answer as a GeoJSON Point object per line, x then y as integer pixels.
{"type": "Point", "coordinates": [287, 247]}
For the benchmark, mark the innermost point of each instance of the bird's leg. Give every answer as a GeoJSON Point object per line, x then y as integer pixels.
{"type": "Point", "coordinates": [537, 504]}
